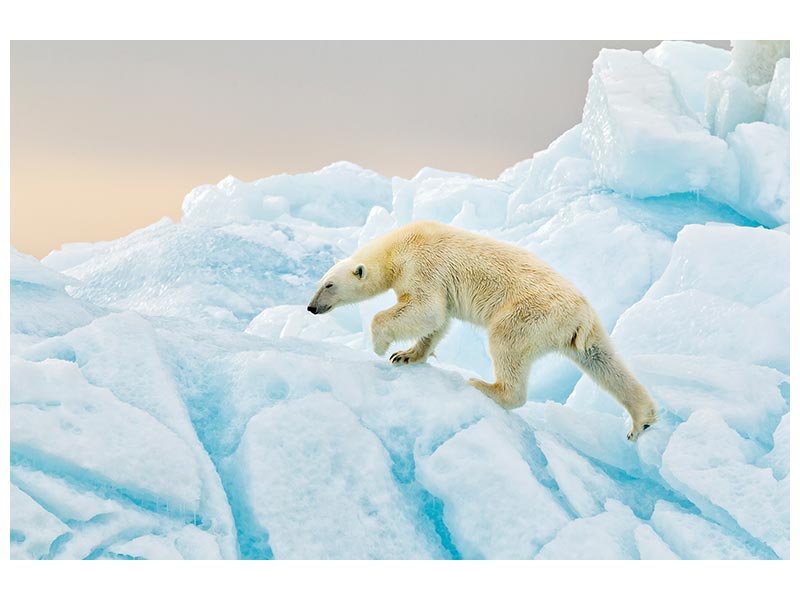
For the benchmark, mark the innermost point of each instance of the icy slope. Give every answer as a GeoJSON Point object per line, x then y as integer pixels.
{"type": "Point", "coordinates": [172, 398]}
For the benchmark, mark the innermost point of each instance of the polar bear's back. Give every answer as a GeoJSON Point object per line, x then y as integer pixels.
{"type": "Point", "coordinates": [480, 275]}
{"type": "Point", "coordinates": [465, 253]}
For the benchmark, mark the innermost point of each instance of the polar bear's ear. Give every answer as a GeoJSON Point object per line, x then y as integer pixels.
{"type": "Point", "coordinates": [360, 271]}
{"type": "Point", "coordinates": [335, 260]}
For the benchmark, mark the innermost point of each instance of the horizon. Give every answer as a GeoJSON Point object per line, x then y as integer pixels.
{"type": "Point", "coordinates": [108, 137]}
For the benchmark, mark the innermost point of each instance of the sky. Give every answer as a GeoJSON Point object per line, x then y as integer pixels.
{"type": "Point", "coordinates": [108, 137]}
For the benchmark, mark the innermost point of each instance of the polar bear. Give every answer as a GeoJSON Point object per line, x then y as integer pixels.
{"type": "Point", "coordinates": [440, 272]}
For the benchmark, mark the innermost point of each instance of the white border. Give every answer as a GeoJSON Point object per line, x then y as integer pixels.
{"type": "Point", "coordinates": [394, 19]}
{"type": "Point", "coordinates": [411, 19]}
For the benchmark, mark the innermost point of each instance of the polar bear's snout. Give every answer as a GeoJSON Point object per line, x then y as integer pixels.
{"type": "Point", "coordinates": [319, 304]}
{"type": "Point", "coordinates": [318, 310]}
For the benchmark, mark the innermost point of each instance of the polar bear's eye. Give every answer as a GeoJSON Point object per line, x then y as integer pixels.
{"type": "Point", "coordinates": [329, 285]}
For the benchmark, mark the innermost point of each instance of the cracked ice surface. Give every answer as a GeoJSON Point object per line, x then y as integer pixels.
{"type": "Point", "coordinates": [172, 398]}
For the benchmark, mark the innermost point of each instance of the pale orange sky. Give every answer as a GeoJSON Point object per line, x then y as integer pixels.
{"type": "Point", "coordinates": [108, 137]}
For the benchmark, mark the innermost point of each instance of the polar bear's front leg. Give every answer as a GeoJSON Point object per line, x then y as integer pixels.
{"type": "Point", "coordinates": [409, 318]}
{"type": "Point", "coordinates": [420, 351]}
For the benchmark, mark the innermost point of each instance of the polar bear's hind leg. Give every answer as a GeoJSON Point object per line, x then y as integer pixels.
{"type": "Point", "coordinates": [604, 366]}
{"type": "Point", "coordinates": [512, 364]}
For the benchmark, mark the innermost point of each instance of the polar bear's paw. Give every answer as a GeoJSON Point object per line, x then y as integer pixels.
{"type": "Point", "coordinates": [412, 355]}
{"type": "Point", "coordinates": [507, 397]}
{"type": "Point", "coordinates": [637, 428]}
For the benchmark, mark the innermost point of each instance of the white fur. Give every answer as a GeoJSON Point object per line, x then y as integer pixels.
{"type": "Point", "coordinates": [440, 272]}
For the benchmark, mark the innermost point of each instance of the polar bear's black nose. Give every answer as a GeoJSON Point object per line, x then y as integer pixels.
{"type": "Point", "coordinates": [312, 309]}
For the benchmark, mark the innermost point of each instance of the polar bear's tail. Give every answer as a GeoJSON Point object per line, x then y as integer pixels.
{"type": "Point", "coordinates": [592, 350]}
{"type": "Point", "coordinates": [580, 339]}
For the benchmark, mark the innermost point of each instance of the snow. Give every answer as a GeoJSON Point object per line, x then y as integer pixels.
{"type": "Point", "coordinates": [189, 542]}
{"type": "Point", "coordinates": [39, 304]}
{"type": "Point", "coordinates": [34, 530]}
{"type": "Point", "coordinates": [729, 102]}
{"type": "Point", "coordinates": [688, 64]}
{"type": "Point", "coordinates": [703, 256]}
{"type": "Point", "coordinates": [463, 200]}
{"type": "Point", "coordinates": [493, 501]}
{"type": "Point", "coordinates": [26, 269]}
{"type": "Point", "coordinates": [342, 504]}
{"type": "Point", "coordinates": [693, 537]}
{"type": "Point", "coordinates": [777, 110]}
{"type": "Point", "coordinates": [614, 534]}
{"type": "Point", "coordinates": [778, 457]}
{"type": "Point", "coordinates": [285, 321]}
{"type": "Point", "coordinates": [220, 275]}
{"type": "Point", "coordinates": [711, 464]}
{"type": "Point", "coordinates": [562, 166]}
{"type": "Point", "coordinates": [584, 486]}
{"type": "Point", "coordinates": [340, 194]}
{"type": "Point", "coordinates": [90, 429]}
{"type": "Point", "coordinates": [720, 343]}
{"type": "Point", "coordinates": [763, 151]}
{"type": "Point", "coordinates": [702, 314]}
{"type": "Point", "coordinates": [172, 398]}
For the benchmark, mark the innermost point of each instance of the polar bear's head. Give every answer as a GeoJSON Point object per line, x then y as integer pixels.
{"type": "Point", "coordinates": [345, 283]}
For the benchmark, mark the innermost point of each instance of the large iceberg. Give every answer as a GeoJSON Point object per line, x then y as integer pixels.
{"type": "Point", "coordinates": [643, 138]}
{"type": "Point", "coordinates": [762, 150]}
{"type": "Point", "coordinates": [172, 398]}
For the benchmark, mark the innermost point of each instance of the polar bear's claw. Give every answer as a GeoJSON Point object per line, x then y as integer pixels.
{"type": "Point", "coordinates": [636, 431]}
{"type": "Point", "coordinates": [405, 357]}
